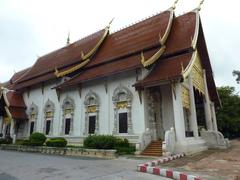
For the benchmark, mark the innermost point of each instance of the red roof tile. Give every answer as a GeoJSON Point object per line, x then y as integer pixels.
{"type": "Point", "coordinates": [15, 99]}
{"type": "Point", "coordinates": [165, 70]}
{"type": "Point", "coordinates": [18, 113]}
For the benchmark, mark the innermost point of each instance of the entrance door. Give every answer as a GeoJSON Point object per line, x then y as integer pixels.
{"type": "Point", "coordinates": [92, 124]}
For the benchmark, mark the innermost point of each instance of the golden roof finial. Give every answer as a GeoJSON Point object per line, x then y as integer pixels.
{"type": "Point", "coordinates": [200, 4]}
{"type": "Point", "coordinates": [174, 4]}
{"type": "Point", "coordinates": [68, 38]}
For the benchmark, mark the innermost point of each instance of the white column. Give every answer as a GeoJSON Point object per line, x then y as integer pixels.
{"type": "Point", "coordinates": [215, 128]}
{"type": "Point", "coordinates": [178, 112]}
{"type": "Point", "coordinates": [12, 128]}
{"type": "Point", "coordinates": [207, 107]}
{"type": "Point", "coordinates": [193, 114]}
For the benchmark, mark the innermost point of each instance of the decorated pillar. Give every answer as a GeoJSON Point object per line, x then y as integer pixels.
{"type": "Point", "coordinates": [193, 114]}
{"type": "Point", "coordinates": [207, 107]}
{"type": "Point", "coordinates": [178, 112]}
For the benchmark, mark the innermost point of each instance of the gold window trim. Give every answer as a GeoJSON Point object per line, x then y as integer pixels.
{"type": "Point", "coordinates": [92, 109]}
{"type": "Point", "coordinates": [122, 105]}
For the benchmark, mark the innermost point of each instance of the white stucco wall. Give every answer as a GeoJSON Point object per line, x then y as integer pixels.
{"type": "Point", "coordinates": [106, 111]}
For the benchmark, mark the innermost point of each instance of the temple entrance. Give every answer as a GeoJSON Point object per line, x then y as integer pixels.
{"type": "Point", "coordinates": [155, 113]}
{"type": "Point", "coordinates": [199, 101]}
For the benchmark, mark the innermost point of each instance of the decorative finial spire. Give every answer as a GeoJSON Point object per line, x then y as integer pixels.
{"type": "Point", "coordinates": [109, 24]}
{"type": "Point", "coordinates": [68, 38]}
{"type": "Point", "coordinates": [200, 4]}
{"type": "Point", "coordinates": [174, 4]}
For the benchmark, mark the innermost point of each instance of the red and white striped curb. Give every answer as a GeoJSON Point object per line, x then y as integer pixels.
{"type": "Point", "coordinates": [149, 167]}
{"type": "Point", "coordinates": [167, 173]}
{"type": "Point", "coordinates": [164, 160]}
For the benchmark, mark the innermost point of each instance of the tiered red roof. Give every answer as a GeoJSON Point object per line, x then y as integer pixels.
{"type": "Point", "coordinates": [121, 52]}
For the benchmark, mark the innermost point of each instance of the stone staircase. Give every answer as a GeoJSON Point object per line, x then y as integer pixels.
{"type": "Point", "coordinates": [153, 149]}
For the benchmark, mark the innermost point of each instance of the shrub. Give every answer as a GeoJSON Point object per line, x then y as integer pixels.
{"type": "Point", "coordinates": [7, 140]}
{"type": "Point", "coordinates": [122, 142]}
{"type": "Point", "coordinates": [37, 139]}
{"type": "Point", "coordinates": [100, 142]}
{"type": "Point", "coordinates": [56, 142]}
{"type": "Point", "coordinates": [19, 141]}
{"type": "Point", "coordinates": [125, 150]}
{"type": "Point", "coordinates": [26, 142]}
{"type": "Point", "coordinates": [105, 142]}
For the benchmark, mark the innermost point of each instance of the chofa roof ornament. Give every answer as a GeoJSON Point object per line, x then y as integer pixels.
{"type": "Point", "coordinates": [200, 4]}
{"type": "Point", "coordinates": [85, 58]}
{"type": "Point", "coordinates": [162, 40]}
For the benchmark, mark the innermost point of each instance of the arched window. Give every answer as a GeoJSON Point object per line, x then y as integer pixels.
{"type": "Point", "coordinates": [48, 117]}
{"type": "Point", "coordinates": [32, 116]}
{"type": "Point", "coordinates": [122, 100]}
{"type": "Point", "coordinates": [91, 113]}
{"type": "Point", "coordinates": [67, 117]}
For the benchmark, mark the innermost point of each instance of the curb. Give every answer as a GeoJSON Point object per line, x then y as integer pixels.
{"type": "Point", "coordinates": [150, 168]}
{"type": "Point", "coordinates": [164, 160]}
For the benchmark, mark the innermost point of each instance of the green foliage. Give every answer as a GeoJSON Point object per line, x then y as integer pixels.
{"type": "Point", "coordinates": [19, 141]}
{"type": "Point", "coordinates": [26, 142]}
{"type": "Point", "coordinates": [5, 140]}
{"type": "Point", "coordinates": [99, 142]}
{"type": "Point", "coordinates": [125, 150]}
{"type": "Point", "coordinates": [56, 142]}
{"type": "Point", "coordinates": [229, 115]}
{"type": "Point", "coordinates": [37, 139]}
{"type": "Point", "coordinates": [107, 142]}
{"type": "Point", "coordinates": [237, 73]}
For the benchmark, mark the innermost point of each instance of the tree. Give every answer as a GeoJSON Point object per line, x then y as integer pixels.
{"type": "Point", "coordinates": [237, 73]}
{"type": "Point", "coordinates": [228, 115]}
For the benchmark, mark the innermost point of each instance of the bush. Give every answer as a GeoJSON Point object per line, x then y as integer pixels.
{"type": "Point", "coordinates": [100, 142]}
{"type": "Point", "coordinates": [7, 140]}
{"type": "Point", "coordinates": [26, 142]}
{"type": "Point", "coordinates": [105, 142]}
{"type": "Point", "coordinates": [125, 150]}
{"type": "Point", "coordinates": [19, 141]}
{"type": "Point", "coordinates": [56, 142]}
{"type": "Point", "coordinates": [37, 139]}
{"type": "Point", "coordinates": [122, 142]}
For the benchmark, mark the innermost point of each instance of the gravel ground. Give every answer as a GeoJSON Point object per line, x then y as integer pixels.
{"type": "Point", "coordinates": [212, 164]}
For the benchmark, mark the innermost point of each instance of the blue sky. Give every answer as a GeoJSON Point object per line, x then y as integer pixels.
{"type": "Point", "coordinates": [32, 28]}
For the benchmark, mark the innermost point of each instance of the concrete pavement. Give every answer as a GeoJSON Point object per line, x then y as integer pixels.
{"type": "Point", "coordinates": [29, 166]}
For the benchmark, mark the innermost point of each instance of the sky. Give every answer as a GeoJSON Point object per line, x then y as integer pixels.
{"type": "Point", "coordinates": [31, 28]}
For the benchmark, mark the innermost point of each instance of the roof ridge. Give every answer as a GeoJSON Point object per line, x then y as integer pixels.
{"type": "Point", "coordinates": [138, 21]}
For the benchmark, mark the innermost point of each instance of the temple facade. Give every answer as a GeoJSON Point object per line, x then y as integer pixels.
{"type": "Point", "coordinates": [152, 80]}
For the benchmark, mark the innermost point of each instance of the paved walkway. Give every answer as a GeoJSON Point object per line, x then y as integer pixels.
{"type": "Point", "coordinates": [211, 164]}
{"type": "Point", "coordinates": [30, 166]}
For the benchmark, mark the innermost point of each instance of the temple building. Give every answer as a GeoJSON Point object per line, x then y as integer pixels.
{"type": "Point", "coordinates": [142, 83]}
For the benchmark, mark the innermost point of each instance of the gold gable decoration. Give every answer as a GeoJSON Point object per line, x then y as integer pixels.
{"type": "Point", "coordinates": [197, 75]}
{"type": "Point", "coordinates": [122, 105]}
{"type": "Point", "coordinates": [92, 109]}
{"type": "Point", "coordinates": [185, 97]}
{"type": "Point", "coordinates": [196, 69]}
